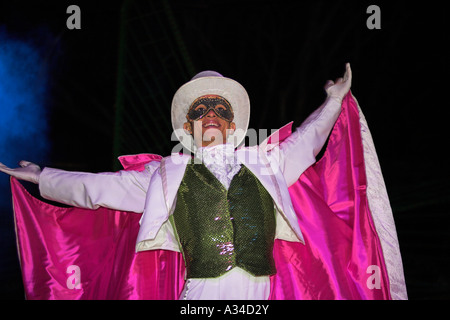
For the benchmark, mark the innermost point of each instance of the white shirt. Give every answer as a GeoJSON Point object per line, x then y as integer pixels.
{"type": "Point", "coordinates": [221, 161]}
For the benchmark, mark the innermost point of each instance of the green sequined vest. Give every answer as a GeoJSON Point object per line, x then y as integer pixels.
{"type": "Point", "coordinates": [220, 229]}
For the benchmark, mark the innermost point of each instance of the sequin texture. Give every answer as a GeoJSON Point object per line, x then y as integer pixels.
{"type": "Point", "coordinates": [219, 229]}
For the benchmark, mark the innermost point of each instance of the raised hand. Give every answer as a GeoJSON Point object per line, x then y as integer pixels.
{"type": "Point", "coordinates": [339, 88]}
{"type": "Point", "coordinates": [27, 171]}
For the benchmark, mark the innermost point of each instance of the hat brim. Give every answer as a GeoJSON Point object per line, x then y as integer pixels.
{"type": "Point", "coordinates": [228, 88]}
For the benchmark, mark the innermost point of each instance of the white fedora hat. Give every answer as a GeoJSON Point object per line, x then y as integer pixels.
{"type": "Point", "coordinates": [210, 83]}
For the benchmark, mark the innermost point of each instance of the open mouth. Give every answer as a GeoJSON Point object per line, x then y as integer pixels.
{"type": "Point", "coordinates": [211, 124]}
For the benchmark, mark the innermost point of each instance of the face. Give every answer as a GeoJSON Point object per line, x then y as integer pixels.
{"type": "Point", "coordinates": [210, 120]}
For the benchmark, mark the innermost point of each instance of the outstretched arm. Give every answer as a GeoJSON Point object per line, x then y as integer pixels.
{"type": "Point", "coordinates": [299, 151]}
{"type": "Point", "coordinates": [123, 190]}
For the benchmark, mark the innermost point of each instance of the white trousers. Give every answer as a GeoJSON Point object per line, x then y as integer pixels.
{"type": "Point", "coordinates": [236, 284]}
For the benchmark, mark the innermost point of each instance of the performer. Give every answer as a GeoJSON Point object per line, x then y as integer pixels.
{"type": "Point", "coordinates": [224, 207]}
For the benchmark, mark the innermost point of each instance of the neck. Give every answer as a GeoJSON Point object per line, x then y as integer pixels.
{"type": "Point", "coordinates": [213, 142]}
{"type": "Point", "coordinates": [228, 146]}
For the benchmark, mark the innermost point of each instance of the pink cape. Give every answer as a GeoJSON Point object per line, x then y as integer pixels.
{"type": "Point", "coordinates": [72, 253]}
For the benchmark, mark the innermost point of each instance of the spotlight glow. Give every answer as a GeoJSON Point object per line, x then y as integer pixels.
{"type": "Point", "coordinates": [23, 90]}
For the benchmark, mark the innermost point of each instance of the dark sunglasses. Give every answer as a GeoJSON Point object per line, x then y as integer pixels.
{"type": "Point", "coordinates": [201, 106]}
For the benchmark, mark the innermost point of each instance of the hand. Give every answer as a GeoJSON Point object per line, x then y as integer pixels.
{"type": "Point", "coordinates": [338, 90]}
{"type": "Point", "coordinates": [28, 171]}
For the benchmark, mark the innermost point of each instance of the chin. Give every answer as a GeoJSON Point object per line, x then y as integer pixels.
{"type": "Point", "coordinates": [212, 134]}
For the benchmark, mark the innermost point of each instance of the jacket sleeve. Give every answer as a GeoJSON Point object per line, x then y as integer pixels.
{"type": "Point", "coordinates": [299, 150]}
{"type": "Point", "coordinates": [122, 190]}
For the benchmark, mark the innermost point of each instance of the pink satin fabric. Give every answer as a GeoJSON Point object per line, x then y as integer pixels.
{"type": "Point", "coordinates": [333, 213]}
{"type": "Point", "coordinates": [341, 243]}
{"type": "Point", "coordinates": [100, 243]}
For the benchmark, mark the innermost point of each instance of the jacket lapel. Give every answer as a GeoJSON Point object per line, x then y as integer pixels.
{"type": "Point", "coordinates": [271, 177]}
{"type": "Point", "coordinates": [261, 168]}
{"type": "Point", "coordinates": [172, 172]}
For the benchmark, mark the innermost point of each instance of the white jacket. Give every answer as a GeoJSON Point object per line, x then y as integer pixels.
{"type": "Point", "coordinates": [153, 191]}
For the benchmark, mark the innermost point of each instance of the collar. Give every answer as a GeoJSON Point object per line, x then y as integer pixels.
{"type": "Point", "coordinates": [219, 154]}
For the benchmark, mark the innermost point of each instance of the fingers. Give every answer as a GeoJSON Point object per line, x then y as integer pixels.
{"type": "Point", "coordinates": [347, 75]}
{"type": "Point", "coordinates": [328, 84]}
{"type": "Point", "coordinates": [348, 72]}
{"type": "Point", "coordinates": [340, 86]}
{"type": "Point", "coordinates": [4, 168]}
{"type": "Point", "coordinates": [27, 171]}
{"type": "Point", "coordinates": [24, 163]}
{"type": "Point", "coordinates": [8, 170]}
